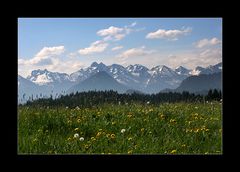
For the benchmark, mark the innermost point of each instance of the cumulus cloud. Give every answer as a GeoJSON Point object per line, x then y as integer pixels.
{"type": "Point", "coordinates": [44, 56]}
{"type": "Point", "coordinates": [116, 33]}
{"type": "Point", "coordinates": [135, 52]}
{"type": "Point", "coordinates": [168, 34]}
{"type": "Point", "coordinates": [194, 58]}
{"type": "Point", "coordinates": [95, 47]}
{"type": "Point", "coordinates": [48, 58]}
{"type": "Point", "coordinates": [207, 42]}
{"type": "Point", "coordinates": [117, 48]}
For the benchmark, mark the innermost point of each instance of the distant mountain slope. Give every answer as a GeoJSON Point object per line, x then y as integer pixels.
{"type": "Point", "coordinates": [201, 82]}
{"type": "Point", "coordinates": [135, 77]}
{"type": "Point", "coordinates": [100, 81]}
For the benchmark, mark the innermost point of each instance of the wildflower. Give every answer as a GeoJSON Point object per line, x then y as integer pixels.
{"type": "Point", "coordinates": [130, 138]}
{"type": "Point", "coordinates": [119, 103]}
{"type": "Point", "coordinates": [130, 152]}
{"type": "Point", "coordinates": [100, 129]}
{"type": "Point", "coordinates": [123, 130]}
{"type": "Point", "coordinates": [81, 139]}
{"type": "Point", "coordinates": [173, 151]}
{"type": "Point", "coordinates": [98, 134]}
{"type": "Point", "coordinates": [196, 130]}
{"type": "Point", "coordinates": [183, 145]}
{"type": "Point", "coordinates": [173, 121]}
{"type": "Point", "coordinates": [142, 129]}
{"type": "Point", "coordinates": [114, 122]}
{"type": "Point", "coordinates": [148, 102]}
{"type": "Point", "coordinates": [162, 116]}
{"type": "Point", "coordinates": [93, 139]}
{"type": "Point", "coordinates": [76, 129]}
{"type": "Point", "coordinates": [86, 146]}
{"type": "Point", "coordinates": [76, 135]}
{"type": "Point", "coordinates": [69, 139]}
{"type": "Point", "coordinates": [108, 135]}
{"type": "Point", "coordinates": [66, 107]}
{"type": "Point", "coordinates": [129, 116]}
{"type": "Point", "coordinates": [78, 120]}
{"type": "Point", "coordinates": [34, 140]}
{"type": "Point", "coordinates": [112, 136]}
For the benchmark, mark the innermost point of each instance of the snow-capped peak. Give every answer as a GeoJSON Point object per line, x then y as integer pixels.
{"type": "Point", "coordinates": [44, 77]}
{"type": "Point", "coordinates": [182, 70]}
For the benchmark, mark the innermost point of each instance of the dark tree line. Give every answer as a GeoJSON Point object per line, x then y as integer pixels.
{"type": "Point", "coordinates": [95, 98]}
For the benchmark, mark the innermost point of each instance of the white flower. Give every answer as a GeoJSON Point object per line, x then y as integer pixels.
{"type": "Point", "coordinates": [148, 102]}
{"type": "Point", "coordinates": [123, 130]}
{"type": "Point", "coordinates": [81, 139]}
{"type": "Point", "coordinates": [76, 135]}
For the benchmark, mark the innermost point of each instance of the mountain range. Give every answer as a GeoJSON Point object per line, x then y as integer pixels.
{"type": "Point", "coordinates": [99, 76]}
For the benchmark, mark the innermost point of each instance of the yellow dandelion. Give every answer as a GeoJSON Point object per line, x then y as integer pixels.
{"type": "Point", "coordinates": [173, 121]}
{"type": "Point", "coordinates": [130, 138]}
{"type": "Point", "coordinates": [86, 146]}
{"type": "Point", "coordinates": [76, 129]}
{"type": "Point", "coordinates": [112, 136]}
{"type": "Point", "coordinates": [173, 151]}
{"type": "Point", "coordinates": [196, 130]}
{"type": "Point", "coordinates": [162, 116]}
{"type": "Point", "coordinates": [142, 129]}
{"type": "Point", "coordinates": [129, 116]}
{"type": "Point", "coordinates": [130, 152]}
{"type": "Point", "coordinates": [78, 120]}
{"type": "Point", "coordinates": [99, 134]}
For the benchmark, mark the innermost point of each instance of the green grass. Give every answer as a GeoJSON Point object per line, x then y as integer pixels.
{"type": "Point", "coordinates": [180, 128]}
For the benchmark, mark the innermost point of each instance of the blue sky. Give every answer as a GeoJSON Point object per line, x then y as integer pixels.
{"type": "Point", "coordinates": [68, 44]}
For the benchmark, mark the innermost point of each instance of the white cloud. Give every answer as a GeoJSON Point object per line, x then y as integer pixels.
{"type": "Point", "coordinates": [207, 42]}
{"type": "Point", "coordinates": [117, 48]}
{"type": "Point", "coordinates": [116, 33]}
{"type": "Point", "coordinates": [95, 47]}
{"type": "Point", "coordinates": [112, 33]}
{"type": "Point", "coordinates": [48, 58]}
{"type": "Point", "coordinates": [44, 56]}
{"type": "Point", "coordinates": [168, 34]}
{"type": "Point", "coordinates": [134, 52]}
{"type": "Point", "coordinates": [194, 58]}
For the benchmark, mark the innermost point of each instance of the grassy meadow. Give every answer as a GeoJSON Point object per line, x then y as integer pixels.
{"type": "Point", "coordinates": [168, 128]}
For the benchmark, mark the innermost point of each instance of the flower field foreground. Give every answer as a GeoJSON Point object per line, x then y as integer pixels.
{"type": "Point", "coordinates": [175, 128]}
